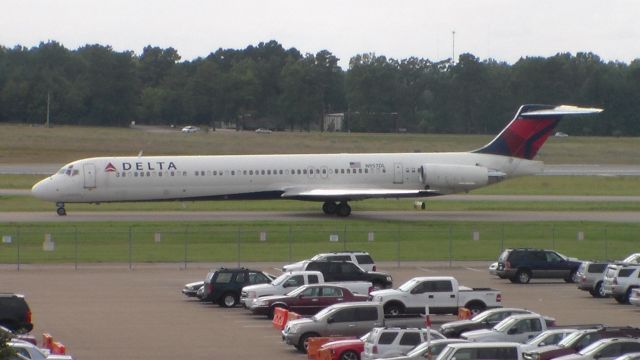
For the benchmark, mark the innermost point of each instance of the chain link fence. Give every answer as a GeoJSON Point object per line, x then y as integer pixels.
{"type": "Point", "coordinates": [129, 245]}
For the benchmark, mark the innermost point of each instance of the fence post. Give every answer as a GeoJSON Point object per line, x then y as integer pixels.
{"type": "Point", "coordinates": [502, 239]}
{"type": "Point", "coordinates": [75, 247]}
{"type": "Point", "coordinates": [130, 249]}
{"type": "Point", "coordinates": [290, 240]}
{"type": "Point", "coordinates": [398, 247]}
{"type": "Point", "coordinates": [238, 246]}
{"type": "Point", "coordinates": [606, 244]}
{"type": "Point", "coordinates": [450, 247]}
{"type": "Point", "coordinates": [344, 236]}
{"type": "Point", "coordinates": [186, 245]}
{"type": "Point", "coordinates": [18, 246]}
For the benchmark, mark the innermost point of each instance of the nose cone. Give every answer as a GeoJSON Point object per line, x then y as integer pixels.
{"type": "Point", "coordinates": [44, 190]}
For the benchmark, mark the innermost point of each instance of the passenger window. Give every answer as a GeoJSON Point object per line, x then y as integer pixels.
{"type": "Point", "coordinates": [313, 279]}
{"type": "Point", "coordinates": [411, 338]}
{"type": "Point", "coordinates": [387, 337]}
{"type": "Point", "coordinates": [368, 314]}
{"type": "Point", "coordinates": [345, 315]}
{"type": "Point", "coordinates": [341, 171]}
{"type": "Point", "coordinates": [223, 278]}
{"type": "Point", "coordinates": [311, 292]}
{"type": "Point", "coordinates": [331, 292]}
{"type": "Point", "coordinates": [261, 172]}
{"type": "Point", "coordinates": [443, 286]}
{"type": "Point", "coordinates": [295, 281]}
{"type": "Point", "coordinates": [240, 278]}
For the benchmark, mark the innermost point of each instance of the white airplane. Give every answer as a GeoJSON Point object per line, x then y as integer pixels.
{"type": "Point", "coordinates": [334, 179]}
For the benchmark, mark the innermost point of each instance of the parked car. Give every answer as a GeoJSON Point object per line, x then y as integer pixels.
{"type": "Point", "coordinates": [489, 350]}
{"type": "Point", "coordinates": [348, 319]}
{"type": "Point", "coordinates": [190, 129]}
{"type": "Point", "coordinates": [579, 340]}
{"type": "Point", "coordinates": [349, 349]}
{"type": "Point", "coordinates": [191, 289]}
{"type": "Point", "coordinates": [629, 356]}
{"type": "Point", "coordinates": [619, 280]}
{"type": "Point", "coordinates": [548, 337]}
{"type": "Point", "coordinates": [12, 335]}
{"type": "Point", "coordinates": [383, 342]}
{"type": "Point", "coordinates": [442, 294]}
{"type": "Point", "coordinates": [605, 349]}
{"type": "Point", "coordinates": [634, 298]}
{"type": "Point", "coordinates": [518, 328]}
{"type": "Point", "coordinates": [15, 313]}
{"type": "Point", "coordinates": [484, 320]}
{"type": "Point", "coordinates": [521, 265]}
{"type": "Point", "coordinates": [223, 286]}
{"type": "Point", "coordinates": [306, 299]}
{"type": "Point", "coordinates": [289, 281]}
{"type": "Point", "coordinates": [30, 351]}
{"type": "Point", "coordinates": [360, 258]}
{"type": "Point", "coordinates": [338, 271]}
{"type": "Point", "coordinates": [263, 131]}
{"type": "Point", "coordinates": [426, 350]}
{"type": "Point", "coordinates": [590, 277]}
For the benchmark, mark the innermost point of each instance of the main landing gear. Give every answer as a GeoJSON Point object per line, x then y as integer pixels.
{"type": "Point", "coordinates": [60, 209]}
{"type": "Point", "coordinates": [330, 208]}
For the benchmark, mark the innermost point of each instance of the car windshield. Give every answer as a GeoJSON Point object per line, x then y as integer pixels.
{"type": "Point", "coordinates": [418, 350]}
{"type": "Point", "coordinates": [481, 316]}
{"type": "Point", "coordinates": [406, 287]}
{"type": "Point", "coordinates": [446, 352]}
{"type": "Point", "coordinates": [570, 339]}
{"type": "Point", "coordinates": [505, 324]}
{"type": "Point", "coordinates": [592, 348]}
{"type": "Point", "coordinates": [317, 257]}
{"type": "Point", "coordinates": [323, 313]}
{"type": "Point", "coordinates": [633, 258]}
{"type": "Point", "coordinates": [540, 338]}
{"type": "Point", "coordinates": [280, 279]}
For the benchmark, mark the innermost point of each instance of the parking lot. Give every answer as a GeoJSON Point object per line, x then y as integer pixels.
{"type": "Point", "coordinates": [111, 312]}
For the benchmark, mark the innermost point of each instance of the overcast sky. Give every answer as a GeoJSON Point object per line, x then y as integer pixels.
{"type": "Point", "coordinates": [501, 29]}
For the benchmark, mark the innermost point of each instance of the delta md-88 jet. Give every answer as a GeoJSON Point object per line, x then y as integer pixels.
{"type": "Point", "coordinates": [333, 179]}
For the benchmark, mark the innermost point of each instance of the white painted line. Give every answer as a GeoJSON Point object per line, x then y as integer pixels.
{"type": "Point", "coordinates": [257, 326]}
{"type": "Point", "coordinates": [277, 269]}
{"type": "Point", "coordinates": [472, 269]}
{"type": "Point", "coordinates": [425, 269]}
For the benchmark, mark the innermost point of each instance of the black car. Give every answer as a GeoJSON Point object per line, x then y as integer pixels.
{"type": "Point", "coordinates": [521, 265]}
{"type": "Point", "coordinates": [348, 271]}
{"type": "Point", "coordinates": [223, 286]}
{"type": "Point", "coordinates": [15, 314]}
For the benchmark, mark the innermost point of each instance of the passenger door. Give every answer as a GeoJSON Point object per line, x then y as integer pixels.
{"type": "Point", "coordinates": [307, 302]}
{"type": "Point", "coordinates": [439, 295]}
{"type": "Point", "coordinates": [524, 330]}
{"type": "Point", "coordinates": [344, 322]}
{"type": "Point", "coordinates": [89, 171]}
{"type": "Point", "coordinates": [329, 295]}
{"type": "Point", "coordinates": [558, 266]}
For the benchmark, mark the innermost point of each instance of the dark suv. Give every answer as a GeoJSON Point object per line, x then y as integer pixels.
{"type": "Point", "coordinates": [15, 314]}
{"type": "Point", "coordinates": [521, 265]}
{"type": "Point", "coordinates": [348, 271]}
{"type": "Point", "coordinates": [223, 286]}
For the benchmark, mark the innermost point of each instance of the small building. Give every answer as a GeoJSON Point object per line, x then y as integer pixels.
{"type": "Point", "coordinates": [333, 122]}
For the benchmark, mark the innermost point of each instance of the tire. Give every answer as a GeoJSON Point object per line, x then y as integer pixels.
{"type": "Point", "coordinates": [349, 355]}
{"type": "Point", "coordinates": [598, 292]}
{"type": "Point", "coordinates": [303, 342]}
{"type": "Point", "coordinates": [476, 308]}
{"type": "Point", "coordinates": [572, 278]}
{"type": "Point", "coordinates": [229, 300]}
{"type": "Point", "coordinates": [620, 299]}
{"type": "Point", "coordinates": [393, 309]}
{"type": "Point", "coordinates": [523, 276]}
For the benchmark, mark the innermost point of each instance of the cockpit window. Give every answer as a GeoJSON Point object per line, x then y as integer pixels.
{"type": "Point", "coordinates": [69, 171]}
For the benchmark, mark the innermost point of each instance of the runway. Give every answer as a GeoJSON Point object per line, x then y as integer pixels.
{"type": "Point", "coordinates": [247, 216]}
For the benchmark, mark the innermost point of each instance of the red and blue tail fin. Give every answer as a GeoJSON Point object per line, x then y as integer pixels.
{"type": "Point", "coordinates": [529, 129]}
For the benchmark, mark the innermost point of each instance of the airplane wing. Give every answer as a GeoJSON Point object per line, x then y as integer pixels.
{"type": "Point", "coordinates": [346, 194]}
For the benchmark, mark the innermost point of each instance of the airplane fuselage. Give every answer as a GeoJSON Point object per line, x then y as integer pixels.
{"type": "Point", "coordinates": [147, 178]}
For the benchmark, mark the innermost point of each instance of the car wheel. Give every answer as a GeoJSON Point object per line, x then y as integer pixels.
{"type": "Point", "coordinates": [349, 355]}
{"type": "Point", "coordinates": [303, 343]}
{"type": "Point", "coordinates": [393, 309]}
{"type": "Point", "coordinates": [599, 291]}
{"type": "Point", "coordinates": [229, 300]}
{"type": "Point", "coordinates": [523, 276]}
{"type": "Point", "coordinates": [573, 277]}
{"type": "Point", "coordinates": [475, 308]}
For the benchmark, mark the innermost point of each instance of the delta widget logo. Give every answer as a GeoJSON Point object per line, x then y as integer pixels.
{"type": "Point", "coordinates": [110, 168]}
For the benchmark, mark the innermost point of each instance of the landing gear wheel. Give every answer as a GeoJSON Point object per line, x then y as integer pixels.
{"type": "Point", "coordinates": [61, 211]}
{"type": "Point", "coordinates": [343, 210]}
{"type": "Point", "coordinates": [329, 207]}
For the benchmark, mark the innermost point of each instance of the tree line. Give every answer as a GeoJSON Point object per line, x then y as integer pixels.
{"type": "Point", "coordinates": [283, 89]}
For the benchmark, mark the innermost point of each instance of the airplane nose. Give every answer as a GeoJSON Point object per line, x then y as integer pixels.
{"type": "Point", "coordinates": [42, 189]}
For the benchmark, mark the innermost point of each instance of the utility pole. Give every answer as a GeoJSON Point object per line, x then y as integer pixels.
{"type": "Point", "coordinates": [453, 47]}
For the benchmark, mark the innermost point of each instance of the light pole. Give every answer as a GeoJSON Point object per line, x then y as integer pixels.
{"type": "Point", "coordinates": [453, 47]}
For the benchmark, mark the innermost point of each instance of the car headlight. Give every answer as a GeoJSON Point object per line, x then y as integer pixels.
{"type": "Point", "coordinates": [260, 303]}
{"type": "Point", "coordinates": [292, 329]}
{"type": "Point", "coordinates": [389, 278]}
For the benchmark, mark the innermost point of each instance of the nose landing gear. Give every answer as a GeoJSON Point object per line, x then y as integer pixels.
{"type": "Point", "coordinates": [60, 209]}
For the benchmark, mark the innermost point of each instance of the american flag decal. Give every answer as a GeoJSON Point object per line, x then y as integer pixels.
{"type": "Point", "coordinates": [354, 164]}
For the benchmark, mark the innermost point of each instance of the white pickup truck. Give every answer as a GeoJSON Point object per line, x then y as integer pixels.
{"type": "Point", "coordinates": [290, 281]}
{"type": "Point", "coordinates": [516, 328]}
{"type": "Point", "coordinates": [442, 294]}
